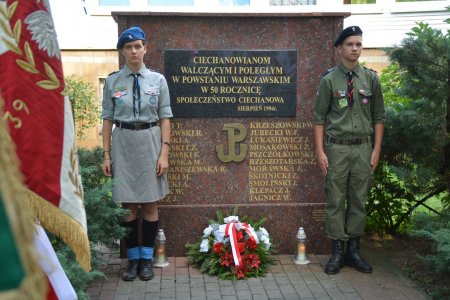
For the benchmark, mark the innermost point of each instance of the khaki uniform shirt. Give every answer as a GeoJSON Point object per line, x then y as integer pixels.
{"type": "Point", "coordinates": [332, 105]}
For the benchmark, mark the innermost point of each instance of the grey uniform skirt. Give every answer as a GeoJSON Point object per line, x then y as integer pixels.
{"type": "Point", "coordinates": [135, 155]}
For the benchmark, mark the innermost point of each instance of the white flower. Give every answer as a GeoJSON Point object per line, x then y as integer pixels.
{"type": "Point", "coordinates": [264, 231]}
{"type": "Point", "coordinates": [266, 241]}
{"type": "Point", "coordinates": [204, 246]}
{"type": "Point", "coordinates": [207, 232]}
{"type": "Point", "coordinates": [220, 233]}
{"type": "Point", "coordinates": [40, 24]}
{"type": "Point", "coordinates": [231, 219]}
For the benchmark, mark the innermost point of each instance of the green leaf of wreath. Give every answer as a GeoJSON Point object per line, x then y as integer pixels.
{"type": "Point", "coordinates": [29, 54]}
{"type": "Point", "coordinates": [47, 84]}
{"type": "Point", "coordinates": [12, 47]}
{"type": "Point", "coordinates": [5, 25]}
{"type": "Point", "coordinates": [17, 30]}
{"type": "Point", "coordinates": [3, 12]}
{"type": "Point", "coordinates": [50, 73]}
{"type": "Point", "coordinates": [26, 66]}
{"type": "Point", "coordinates": [12, 9]}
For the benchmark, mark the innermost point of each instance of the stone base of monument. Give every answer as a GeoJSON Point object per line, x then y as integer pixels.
{"type": "Point", "coordinates": [186, 224]}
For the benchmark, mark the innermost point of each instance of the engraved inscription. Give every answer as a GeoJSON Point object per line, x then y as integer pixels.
{"type": "Point", "coordinates": [232, 83]}
{"type": "Point", "coordinates": [319, 215]}
{"type": "Point", "coordinates": [277, 152]}
{"type": "Point", "coordinates": [185, 161]}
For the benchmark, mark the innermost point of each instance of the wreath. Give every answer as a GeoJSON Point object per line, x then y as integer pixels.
{"type": "Point", "coordinates": [232, 250]}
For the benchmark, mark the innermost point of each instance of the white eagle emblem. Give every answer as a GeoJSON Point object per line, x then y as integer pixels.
{"type": "Point", "coordinates": [40, 24]}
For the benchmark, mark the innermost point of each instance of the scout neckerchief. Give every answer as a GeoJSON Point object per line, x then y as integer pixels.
{"type": "Point", "coordinates": [350, 89]}
{"type": "Point", "coordinates": [136, 94]}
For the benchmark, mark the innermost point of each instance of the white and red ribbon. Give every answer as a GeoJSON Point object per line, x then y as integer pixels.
{"type": "Point", "coordinates": [231, 231]}
{"type": "Point", "coordinates": [251, 232]}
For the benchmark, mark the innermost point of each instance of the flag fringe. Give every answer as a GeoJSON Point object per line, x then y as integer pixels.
{"type": "Point", "coordinates": [57, 222]}
{"type": "Point", "coordinates": [34, 285]}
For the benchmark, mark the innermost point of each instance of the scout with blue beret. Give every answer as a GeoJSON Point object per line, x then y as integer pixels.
{"type": "Point", "coordinates": [130, 35]}
{"type": "Point", "coordinates": [136, 99]}
{"type": "Point", "coordinates": [348, 118]}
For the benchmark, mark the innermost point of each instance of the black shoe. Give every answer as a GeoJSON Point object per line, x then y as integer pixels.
{"type": "Point", "coordinates": [132, 269]}
{"type": "Point", "coordinates": [146, 267]}
{"type": "Point", "coordinates": [336, 260]}
{"type": "Point", "coordinates": [354, 259]}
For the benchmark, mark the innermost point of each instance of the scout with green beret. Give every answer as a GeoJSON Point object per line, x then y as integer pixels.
{"type": "Point", "coordinates": [348, 118]}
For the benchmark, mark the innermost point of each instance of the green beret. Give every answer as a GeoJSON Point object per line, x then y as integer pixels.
{"type": "Point", "coordinates": [349, 31]}
{"type": "Point", "coordinates": [130, 35]}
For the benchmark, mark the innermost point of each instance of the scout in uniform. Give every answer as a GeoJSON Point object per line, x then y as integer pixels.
{"type": "Point", "coordinates": [137, 101]}
{"type": "Point", "coordinates": [348, 118]}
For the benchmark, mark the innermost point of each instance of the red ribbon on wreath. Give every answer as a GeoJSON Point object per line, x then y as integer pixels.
{"type": "Point", "coordinates": [230, 230]}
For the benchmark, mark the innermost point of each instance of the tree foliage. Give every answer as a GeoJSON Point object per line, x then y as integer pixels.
{"type": "Point", "coordinates": [417, 102]}
{"type": "Point", "coordinates": [84, 103]}
{"type": "Point", "coordinates": [414, 163]}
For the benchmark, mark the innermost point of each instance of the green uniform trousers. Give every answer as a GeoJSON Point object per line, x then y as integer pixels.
{"type": "Point", "coordinates": [347, 184]}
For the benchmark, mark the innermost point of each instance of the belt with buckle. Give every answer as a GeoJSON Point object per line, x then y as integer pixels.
{"type": "Point", "coordinates": [136, 126]}
{"type": "Point", "coordinates": [349, 142]}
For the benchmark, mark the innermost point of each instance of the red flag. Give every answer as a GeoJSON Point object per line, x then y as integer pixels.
{"type": "Point", "coordinates": [21, 277]}
{"type": "Point", "coordinates": [41, 122]}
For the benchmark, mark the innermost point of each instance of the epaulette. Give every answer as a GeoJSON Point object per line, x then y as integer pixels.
{"type": "Point", "coordinates": [370, 69]}
{"type": "Point", "coordinates": [327, 71]}
{"type": "Point", "coordinates": [113, 73]}
{"type": "Point", "coordinates": [155, 71]}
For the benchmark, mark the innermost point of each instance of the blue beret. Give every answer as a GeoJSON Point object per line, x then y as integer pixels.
{"type": "Point", "coordinates": [130, 35]}
{"type": "Point", "coordinates": [349, 31]}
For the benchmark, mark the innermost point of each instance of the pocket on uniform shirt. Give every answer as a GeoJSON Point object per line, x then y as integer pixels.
{"type": "Point", "coordinates": [152, 96]}
{"type": "Point", "coordinates": [365, 95]}
{"type": "Point", "coordinates": [340, 102]}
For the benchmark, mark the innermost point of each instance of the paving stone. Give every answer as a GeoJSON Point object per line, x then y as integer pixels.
{"type": "Point", "coordinates": [229, 297]}
{"type": "Point", "coordinates": [227, 290]}
{"type": "Point", "coordinates": [182, 287]}
{"type": "Point", "coordinates": [286, 280]}
{"type": "Point", "coordinates": [184, 295]}
{"type": "Point", "coordinates": [212, 286]}
{"type": "Point", "coordinates": [257, 290]}
{"type": "Point", "coordinates": [213, 295]}
{"type": "Point", "coordinates": [198, 293]}
{"type": "Point", "coordinates": [244, 294]}
{"type": "Point", "coordinates": [272, 294]}
{"type": "Point", "coordinates": [182, 279]}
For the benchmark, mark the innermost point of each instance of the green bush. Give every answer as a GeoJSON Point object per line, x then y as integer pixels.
{"type": "Point", "coordinates": [437, 230]}
{"type": "Point", "coordinates": [103, 220]}
{"type": "Point", "coordinates": [390, 203]}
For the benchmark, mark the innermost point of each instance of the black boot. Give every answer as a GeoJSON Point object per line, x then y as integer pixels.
{"type": "Point", "coordinates": [132, 269]}
{"type": "Point", "coordinates": [146, 272]}
{"type": "Point", "coordinates": [354, 259]}
{"type": "Point", "coordinates": [336, 260]}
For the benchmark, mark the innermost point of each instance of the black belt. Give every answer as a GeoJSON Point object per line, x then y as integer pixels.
{"type": "Point", "coordinates": [349, 142]}
{"type": "Point", "coordinates": [136, 126]}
